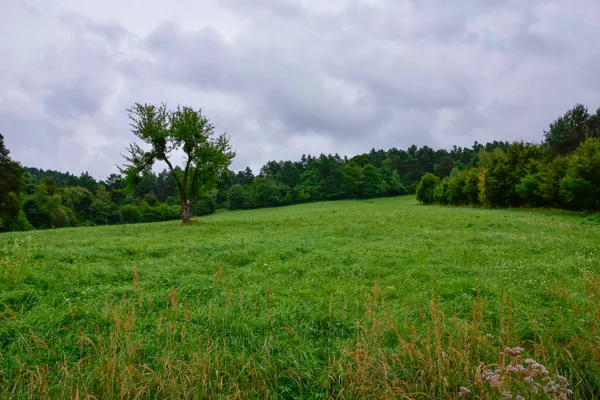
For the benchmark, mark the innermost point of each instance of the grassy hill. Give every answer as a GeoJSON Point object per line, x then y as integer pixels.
{"type": "Point", "coordinates": [348, 299]}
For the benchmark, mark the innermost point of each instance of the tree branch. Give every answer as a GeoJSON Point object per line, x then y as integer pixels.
{"type": "Point", "coordinates": [177, 181]}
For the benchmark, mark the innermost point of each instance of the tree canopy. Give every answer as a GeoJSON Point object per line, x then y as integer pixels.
{"type": "Point", "coordinates": [205, 156]}
{"type": "Point", "coordinates": [10, 189]}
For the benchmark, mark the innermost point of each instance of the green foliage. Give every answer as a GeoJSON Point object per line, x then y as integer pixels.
{"type": "Point", "coordinates": [581, 185]}
{"type": "Point", "coordinates": [237, 197]}
{"type": "Point", "coordinates": [102, 212]}
{"type": "Point", "coordinates": [394, 184]}
{"type": "Point", "coordinates": [373, 183]}
{"type": "Point", "coordinates": [151, 199]}
{"type": "Point", "coordinates": [131, 214]}
{"type": "Point", "coordinates": [44, 208]}
{"type": "Point", "coordinates": [470, 187]}
{"type": "Point", "coordinates": [567, 132]}
{"type": "Point", "coordinates": [353, 174]}
{"type": "Point", "coordinates": [426, 188]}
{"type": "Point", "coordinates": [185, 129]}
{"type": "Point", "coordinates": [10, 189]}
{"type": "Point", "coordinates": [504, 171]}
{"type": "Point", "coordinates": [441, 193]}
{"type": "Point", "coordinates": [552, 175]}
{"type": "Point", "coordinates": [268, 193]}
{"type": "Point", "coordinates": [204, 205]}
{"type": "Point", "coordinates": [497, 174]}
{"type": "Point", "coordinates": [159, 212]}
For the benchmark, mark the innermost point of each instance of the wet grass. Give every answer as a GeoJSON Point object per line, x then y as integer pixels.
{"type": "Point", "coordinates": [351, 299]}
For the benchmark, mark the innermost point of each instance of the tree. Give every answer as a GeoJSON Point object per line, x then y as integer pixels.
{"type": "Point", "coordinates": [426, 188]}
{"type": "Point", "coordinates": [10, 188]}
{"type": "Point", "coordinates": [581, 185]}
{"type": "Point", "coordinates": [373, 184]}
{"type": "Point", "coordinates": [567, 132]}
{"type": "Point", "coordinates": [87, 181]}
{"type": "Point", "coordinates": [165, 132]}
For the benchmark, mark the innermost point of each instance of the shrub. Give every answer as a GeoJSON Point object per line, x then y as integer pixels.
{"type": "Point", "coordinates": [504, 171]}
{"type": "Point", "coordinates": [204, 205]}
{"type": "Point", "coordinates": [237, 197]}
{"type": "Point", "coordinates": [529, 190]}
{"type": "Point", "coordinates": [550, 185]}
{"type": "Point", "coordinates": [426, 188]}
{"type": "Point", "coordinates": [151, 199]}
{"type": "Point", "coordinates": [471, 186]}
{"type": "Point", "coordinates": [131, 214]}
{"type": "Point", "coordinates": [455, 192]}
{"type": "Point", "coordinates": [172, 201]}
{"type": "Point", "coordinates": [441, 193]}
{"type": "Point", "coordinates": [152, 214]}
{"type": "Point", "coordinates": [581, 185]}
{"type": "Point", "coordinates": [269, 193]}
{"type": "Point", "coordinates": [373, 183]}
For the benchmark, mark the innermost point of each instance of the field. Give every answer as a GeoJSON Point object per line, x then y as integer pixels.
{"type": "Point", "coordinates": [350, 299]}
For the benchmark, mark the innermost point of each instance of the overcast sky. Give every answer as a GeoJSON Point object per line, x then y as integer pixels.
{"type": "Point", "coordinates": [287, 77]}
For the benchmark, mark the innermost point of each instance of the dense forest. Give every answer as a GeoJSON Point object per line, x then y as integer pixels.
{"type": "Point", "coordinates": [563, 171]}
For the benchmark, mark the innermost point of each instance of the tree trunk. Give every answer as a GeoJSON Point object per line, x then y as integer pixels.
{"type": "Point", "coordinates": [186, 211]}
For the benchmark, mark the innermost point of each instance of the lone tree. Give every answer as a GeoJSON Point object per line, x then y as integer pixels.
{"type": "Point", "coordinates": [166, 132]}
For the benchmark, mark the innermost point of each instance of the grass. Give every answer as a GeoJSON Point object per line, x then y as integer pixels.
{"type": "Point", "coordinates": [351, 299]}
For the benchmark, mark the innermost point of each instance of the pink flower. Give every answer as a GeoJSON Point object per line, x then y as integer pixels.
{"type": "Point", "coordinates": [463, 392]}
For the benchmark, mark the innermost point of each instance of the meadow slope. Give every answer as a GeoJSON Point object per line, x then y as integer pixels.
{"type": "Point", "coordinates": [351, 299]}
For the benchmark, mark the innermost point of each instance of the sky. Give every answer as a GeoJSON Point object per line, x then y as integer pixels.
{"type": "Point", "coordinates": [284, 78]}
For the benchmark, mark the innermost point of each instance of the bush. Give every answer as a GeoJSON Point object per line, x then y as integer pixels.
{"type": "Point", "coordinates": [441, 194]}
{"type": "Point", "coordinates": [581, 185]}
{"type": "Point", "coordinates": [426, 188]}
{"type": "Point", "coordinates": [237, 197]}
{"type": "Point", "coordinates": [172, 201]}
{"type": "Point", "coordinates": [204, 205]}
{"type": "Point", "coordinates": [373, 184]}
{"type": "Point", "coordinates": [131, 214]}
{"type": "Point", "coordinates": [102, 213]}
{"type": "Point", "coordinates": [18, 224]}
{"type": "Point", "coordinates": [550, 185]}
{"type": "Point", "coordinates": [471, 186]}
{"type": "Point", "coordinates": [529, 190]}
{"type": "Point", "coordinates": [456, 186]}
{"type": "Point", "coordinates": [270, 193]}
{"type": "Point", "coordinates": [152, 214]}
{"type": "Point", "coordinates": [504, 171]}
{"type": "Point", "coordinates": [151, 199]}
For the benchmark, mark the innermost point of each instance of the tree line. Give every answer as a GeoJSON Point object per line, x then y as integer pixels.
{"type": "Point", "coordinates": [561, 172]}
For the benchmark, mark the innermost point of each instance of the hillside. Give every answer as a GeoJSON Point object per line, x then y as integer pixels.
{"type": "Point", "coordinates": [350, 298]}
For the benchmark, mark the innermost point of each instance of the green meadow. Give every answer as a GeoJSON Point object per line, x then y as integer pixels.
{"type": "Point", "coordinates": [379, 298]}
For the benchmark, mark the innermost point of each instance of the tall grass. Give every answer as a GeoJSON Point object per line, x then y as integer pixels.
{"type": "Point", "coordinates": [147, 336]}
{"type": "Point", "coordinates": [236, 348]}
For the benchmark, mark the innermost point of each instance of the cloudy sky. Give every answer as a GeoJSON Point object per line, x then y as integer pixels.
{"type": "Point", "coordinates": [287, 77]}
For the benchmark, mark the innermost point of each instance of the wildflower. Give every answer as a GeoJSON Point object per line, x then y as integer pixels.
{"type": "Point", "coordinates": [563, 381]}
{"type": "Point", "coordinates": [514, 352]}
{"type": "Point", "coordinates": [463, 392]}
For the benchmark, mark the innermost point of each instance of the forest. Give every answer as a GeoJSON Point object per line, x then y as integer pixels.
{"type": "Point", "coordinates": [562, 171]}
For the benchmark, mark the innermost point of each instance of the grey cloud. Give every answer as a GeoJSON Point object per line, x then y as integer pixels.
{"type": "Point", "coordinates": [311, 77]}
{"type": "Point", "coordinates": [287, 9]}
{"type": "Point", "coordinates": [73, 99]}
{"type": "Point", "coordinates": [112, 33]}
